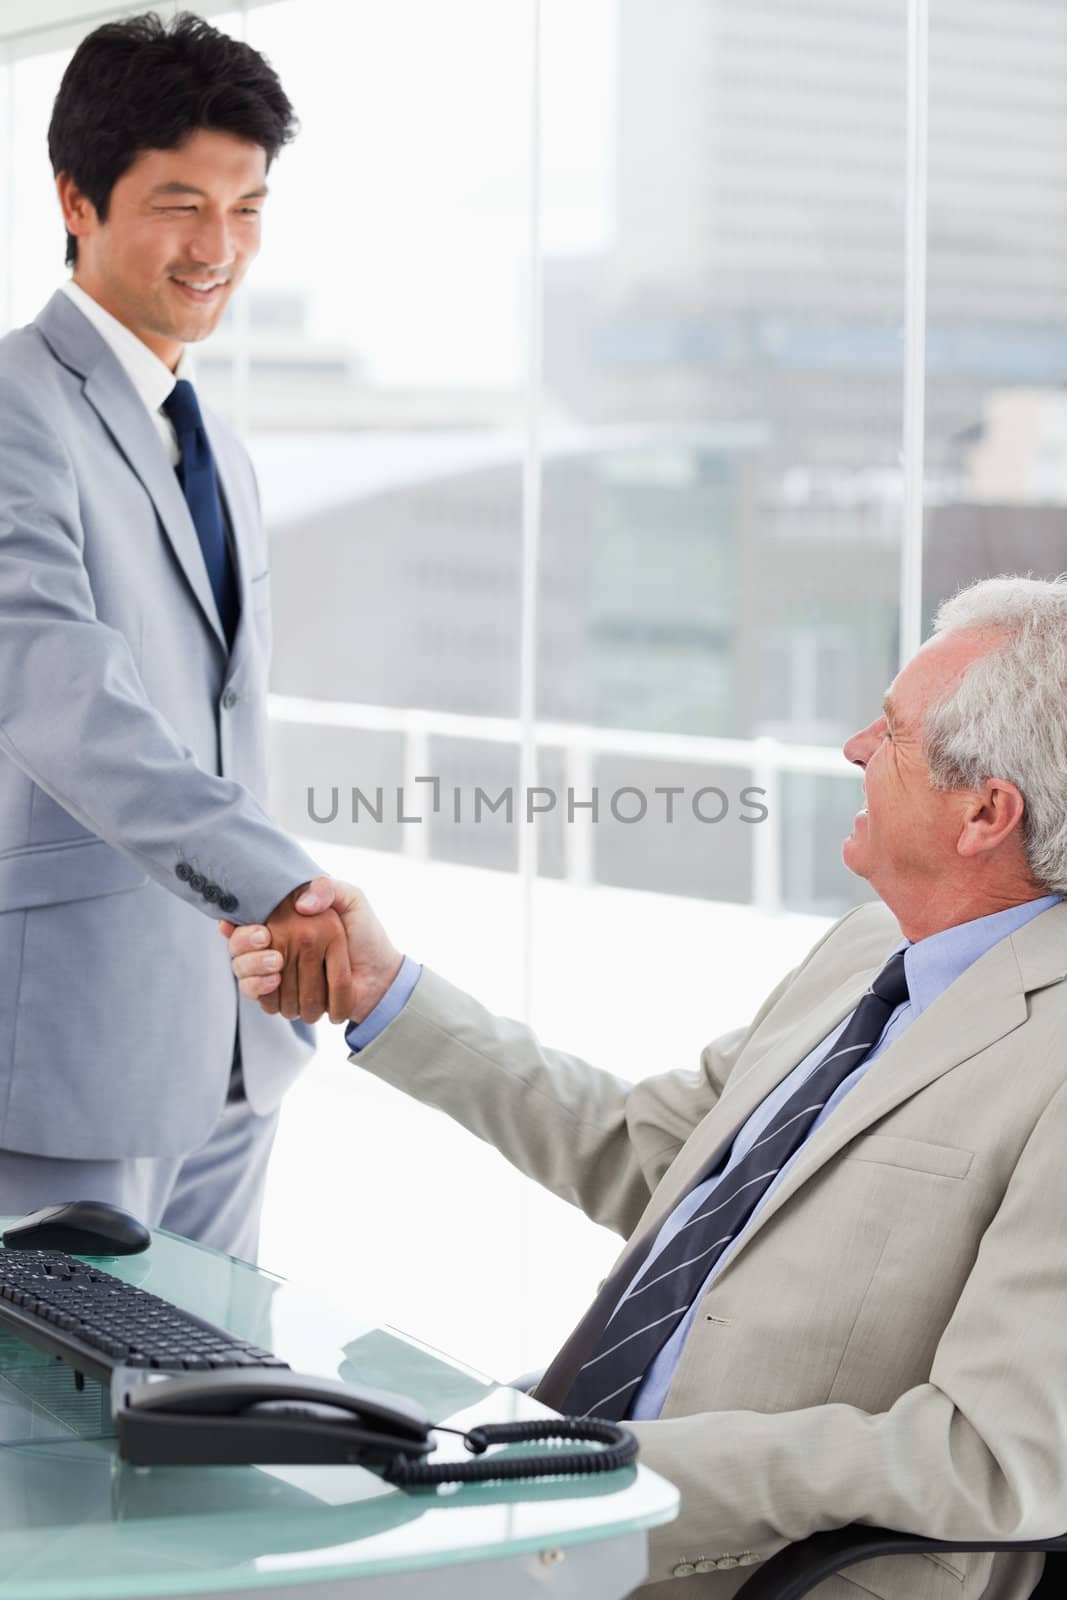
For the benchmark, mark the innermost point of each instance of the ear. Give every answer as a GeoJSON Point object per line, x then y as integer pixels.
{"type": "Point", "coordinates": [994, 813]}
{"type": "Point", "coordinates": [79, 213]}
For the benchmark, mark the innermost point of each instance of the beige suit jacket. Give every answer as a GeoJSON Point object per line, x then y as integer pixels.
{"type": "Point", "coordinates": [888, 1344]}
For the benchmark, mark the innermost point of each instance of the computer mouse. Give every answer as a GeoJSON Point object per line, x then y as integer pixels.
{"type": "Point", "coordinates": [81, 1227]}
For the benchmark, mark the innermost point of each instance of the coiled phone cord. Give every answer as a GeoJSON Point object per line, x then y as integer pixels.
{"type": "Point", "coordinates": [619, 1450]}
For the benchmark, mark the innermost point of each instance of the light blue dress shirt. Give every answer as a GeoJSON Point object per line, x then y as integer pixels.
{"type": "Point", "coordinates": [929, 966]}
{"type": "Point", "coordinates": [360, 1034]}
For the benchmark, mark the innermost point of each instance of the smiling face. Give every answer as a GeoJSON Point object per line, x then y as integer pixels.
{"type": "Point", "coordinates": [906, 840]}
{"type": "Point", "coordinates": [182, 228]}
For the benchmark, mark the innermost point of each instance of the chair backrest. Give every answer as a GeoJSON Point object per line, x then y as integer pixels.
{"type": "Point", "coordinates": [1053, 1583]}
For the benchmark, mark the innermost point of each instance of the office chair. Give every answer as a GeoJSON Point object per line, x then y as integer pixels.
{"type": "Point", "coordinates": [797, 1569]}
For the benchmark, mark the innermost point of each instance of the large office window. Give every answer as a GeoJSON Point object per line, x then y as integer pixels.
{"type": "Point", "coordinates": [576, 368]}
{"type": "Point", "coordinates": [996, 443]}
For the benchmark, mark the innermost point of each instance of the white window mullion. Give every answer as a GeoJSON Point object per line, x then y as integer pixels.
{"type": "Point", "coordinates": [531, 543]}
{"type": "Point", "coordinates": [531, 523]}
{"type": "Point", "coordinates": [241, 371]}
{"type": "Point", "coordinates": [914, 419]}
{"type": "Point", "coordinates": [7, 190]}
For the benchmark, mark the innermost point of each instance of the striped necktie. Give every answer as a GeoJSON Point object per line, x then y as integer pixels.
{"type": "Point", "coordinates": [200, 485]}
{"type": "Point", "coordinates": [643, 1322]}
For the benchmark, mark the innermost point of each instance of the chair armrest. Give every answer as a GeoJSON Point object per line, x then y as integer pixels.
{"type": "Point", "coordinates": [527, 1381]}
{"type": "Point", "coordinates": [795, 1571]}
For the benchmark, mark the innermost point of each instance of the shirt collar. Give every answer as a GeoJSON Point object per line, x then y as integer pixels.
{"type": "Point", "coordinates": [150, 376]}
{"type": "Point", "coordinates": [931, 964]}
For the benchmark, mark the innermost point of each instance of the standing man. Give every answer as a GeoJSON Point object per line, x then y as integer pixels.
{"type": "Point", "coordinates": [134, 646]}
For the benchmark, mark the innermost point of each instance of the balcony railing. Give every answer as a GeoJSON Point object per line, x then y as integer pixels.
{"type": "Point", "coordinates": [766, 758]}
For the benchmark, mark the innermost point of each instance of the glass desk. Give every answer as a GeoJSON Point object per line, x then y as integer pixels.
{"type": "Point", "coordinates": [78, 1524]}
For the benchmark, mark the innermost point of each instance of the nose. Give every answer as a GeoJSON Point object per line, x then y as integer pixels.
{"type": "Point", "coordinates": [857, 749]}
{"type": "Point", "coordinates": [212, 243]}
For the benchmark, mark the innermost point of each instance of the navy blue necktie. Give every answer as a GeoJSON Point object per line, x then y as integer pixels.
{"type": "Point", "coordinates": [643, 1323]}
{"type": "Point", "coordinates": [200, 485]}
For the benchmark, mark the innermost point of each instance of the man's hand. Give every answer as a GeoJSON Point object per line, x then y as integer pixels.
{"type": "Point", "coordinates": [261, 964]}
{"type": "Point", "coordinates": [312, 954]}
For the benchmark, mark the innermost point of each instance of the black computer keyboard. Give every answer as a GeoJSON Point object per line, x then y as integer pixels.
{"type": "Point", "coordinates": [97, 1322]}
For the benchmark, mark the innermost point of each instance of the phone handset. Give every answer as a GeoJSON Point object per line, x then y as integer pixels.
{"type": "Point", "coordinates": [245, 1415]}
{"type": "Point", "coordinates": [241, 1391]}
{"type": "Point", "coordinates": [257, 1416]}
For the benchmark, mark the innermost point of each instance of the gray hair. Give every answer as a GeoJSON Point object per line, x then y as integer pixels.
{"type": "Point", "coordinates": [1006, 717]}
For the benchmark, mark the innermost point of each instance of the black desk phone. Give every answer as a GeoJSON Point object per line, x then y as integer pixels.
{"type": "Point", "coordinates": [184, 1419]}
{"type": "Point", "coordinates": [244, 1416]}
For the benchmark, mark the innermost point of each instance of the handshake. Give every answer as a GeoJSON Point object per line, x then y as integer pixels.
{"type": "Point", "coordinates": [322, 951]}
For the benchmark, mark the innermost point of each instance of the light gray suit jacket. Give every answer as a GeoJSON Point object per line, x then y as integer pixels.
{"type": "Point", "coordinates": [133, 759]}
{"type": "Point", "coordinates": [888, 1344]}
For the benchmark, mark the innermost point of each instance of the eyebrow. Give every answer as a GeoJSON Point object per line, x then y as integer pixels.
{"type": "Point", "coordinates": [173, 187]}
{"type": "Point", "coordinates": [888, 708]}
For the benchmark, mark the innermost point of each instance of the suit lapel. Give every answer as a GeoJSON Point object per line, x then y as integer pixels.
{"type": "Point", "coordinates": [111, 394]}
{"type": "Point", "coordinates": [744, 1093]}
{"type": "Point", "coordinates": [983, 1005]}
{"type": "Point", "coordinates": [986, 1002]}
{"type": "Point", "coordinates": [709, 1137]}
{"type": "Point", "coordinates": [236, 509]}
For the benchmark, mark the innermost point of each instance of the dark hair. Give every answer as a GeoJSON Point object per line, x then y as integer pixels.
{"type": "Point", "coordinates": [140, 85]}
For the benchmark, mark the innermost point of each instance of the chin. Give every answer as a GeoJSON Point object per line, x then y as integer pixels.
{"type": "Point", "coordinates": [852, 856]}
{"type": "Point", "coordinates": [200, 325]}
{"type": "Point", "coordinates": [195, 335]}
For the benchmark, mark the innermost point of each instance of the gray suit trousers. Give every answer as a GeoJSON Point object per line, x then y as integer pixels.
{"type": "Point", "coordinates": [214, 1194]}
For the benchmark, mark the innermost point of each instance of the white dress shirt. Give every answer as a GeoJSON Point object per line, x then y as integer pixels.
{"type": "Point", "coordinates": [150, 376]}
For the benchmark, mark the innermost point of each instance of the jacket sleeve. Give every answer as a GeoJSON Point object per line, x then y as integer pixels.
{"type": "Point", "coordinates": [591, 1137]}
{"type": "Point", "coordinates": [74, 715]}
{"type": "Point", "coordinates": [975, 1451]}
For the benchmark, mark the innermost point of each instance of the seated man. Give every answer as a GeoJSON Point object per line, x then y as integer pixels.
{"type": "Point", "coordinates": [843, 1293]}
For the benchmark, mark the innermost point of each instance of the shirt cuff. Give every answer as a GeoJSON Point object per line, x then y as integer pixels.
{"type": "Point", "coordinates": [360, 1034]}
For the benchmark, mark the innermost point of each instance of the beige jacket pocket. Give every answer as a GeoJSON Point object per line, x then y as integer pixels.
{"type": "Point", "coordinates": [916, 1154]}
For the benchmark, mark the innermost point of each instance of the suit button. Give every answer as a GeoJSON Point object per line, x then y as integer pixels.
{"type": "Point", "coordinates": [747, 1559]}
{"type": "Point", "coordinates": [704, 1565]}
{"type": "Point", "coordinates": [228, 903]}
{"type": "Point", "coordinates": [727, 1561]}
{"type": "Point", "coordinates": [183, 871]}
{"type": "Point", "coordinates": [683, 1569]}
{"type": "Point", "coordinates": [212, 893]}
{"type": "Point", "coordinates": [230, 699]}
{"type": "Point", "coordinates": [197, 881]}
